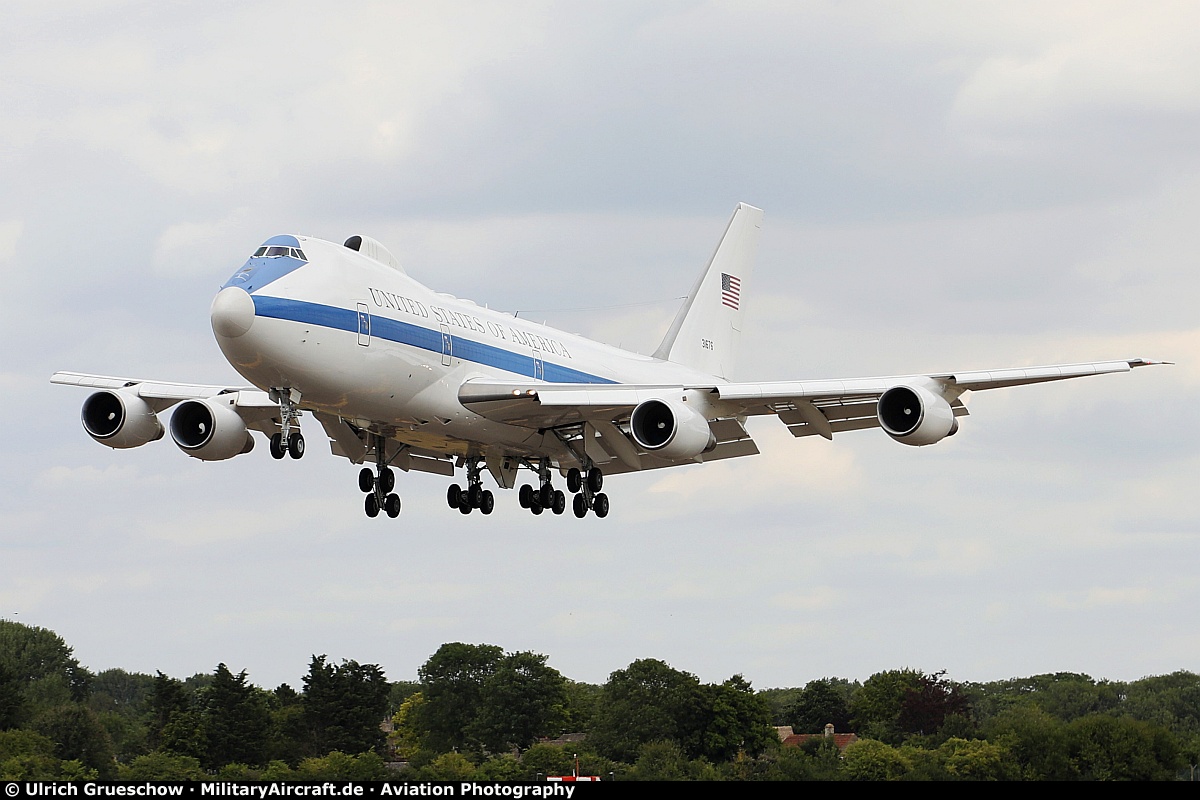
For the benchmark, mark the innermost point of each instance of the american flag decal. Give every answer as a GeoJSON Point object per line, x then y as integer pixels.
{"type": "Point", "coordinates": [731, 290]}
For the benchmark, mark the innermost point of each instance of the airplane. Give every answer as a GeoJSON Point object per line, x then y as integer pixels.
{"type": "Point", "coordinates": [410, 379]}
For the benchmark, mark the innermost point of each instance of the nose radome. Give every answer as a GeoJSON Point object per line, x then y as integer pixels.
{"type": "Point", "coordinates": [232, 312]}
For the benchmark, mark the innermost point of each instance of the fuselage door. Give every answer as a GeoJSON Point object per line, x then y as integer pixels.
{"type": "Point", "coordinates": [539, 371]}
{"type": "Point", "coordinates": [364, 325]}
{"type": "Point", "coordinates": [447, 346]}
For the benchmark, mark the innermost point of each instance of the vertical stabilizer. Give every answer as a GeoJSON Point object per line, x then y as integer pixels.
{"type": "Point", "coordinates": [706, 330]}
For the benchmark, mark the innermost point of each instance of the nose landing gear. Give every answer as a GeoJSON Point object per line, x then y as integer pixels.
{"type": "Point", "coordinates": [289, 440]}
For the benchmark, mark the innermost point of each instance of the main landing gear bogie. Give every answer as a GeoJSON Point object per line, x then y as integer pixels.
{"type": "Point", "coordinates": [378, 484]}
{"type": "Point", "coordinates": [474, 496]}
{"type": "Point", "coordinates": [585, 486]}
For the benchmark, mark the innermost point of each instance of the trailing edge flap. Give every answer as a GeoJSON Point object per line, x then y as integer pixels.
{"type": "Point", "coordinates": [547, 405]}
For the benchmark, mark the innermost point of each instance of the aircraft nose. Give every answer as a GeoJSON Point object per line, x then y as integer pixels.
{"type": "Point", "coordinates": [232, 312]}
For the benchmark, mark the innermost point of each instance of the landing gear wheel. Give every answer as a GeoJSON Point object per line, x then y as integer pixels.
{"type": "Point", "coordinates": [595, 479]}
{"type": "Point", "coordinates": [574, 480]}
{"type": "Point", "coordinates": [560, 502]}
{"type": "Point", "coordinates": [546, 495]}
{"type": "Point", "coordinates": [536, 508]}
{"type": "Point", "coordinates": [579, 505]}
{"type": "Point", "coordinates": [525, 495]}
{"type": "Point", "coordinates": [487, 502]}
{"type": "Point", "coordinates": [600, 505]}
{"type": "Point", "coordinates": [464, 506]}
{"type": "Point", "coordinates": [387, 480]}
{"type": "Point", "coordinates": [454, 495]}
{"type": "Point", "coordinates": [475, 496]}
{"type": "Point", "coordinates": [372, 505]}
{"type": "Point", "coordinates": [296, 445]}
{"type": "Point", "coordinates": [391, 504]}
{"type": "Point", "coordinates": [277, 449]}
{"type": "Point", "coordinates": [366, 479]}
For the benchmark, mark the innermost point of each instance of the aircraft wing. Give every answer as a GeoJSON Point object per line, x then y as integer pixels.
{"type": "Point", "coordinates": [822, 407]}
{"type": "Point", "coordinates": [826, 407]}
{"type": "Point", "coordinates": [163, 394]}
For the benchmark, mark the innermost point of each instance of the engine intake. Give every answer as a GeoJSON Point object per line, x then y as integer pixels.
{"type": "Point", "coordinates": [915, 416]}
{"type": "Point", "coordinates": [120, 419]}
{"type": "Point", "coordinates": [670, 429]}
{"type": "Point", "coordinates": [209, 431]}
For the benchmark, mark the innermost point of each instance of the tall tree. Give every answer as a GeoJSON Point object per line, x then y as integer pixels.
{"type": "Point", "coordinates": [344, 705]}
{"type": "Point", "coordinates": [235, 720]}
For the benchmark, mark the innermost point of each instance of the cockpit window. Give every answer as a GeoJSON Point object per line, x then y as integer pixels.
{"type": "Point", "coordinates": [275, 251]}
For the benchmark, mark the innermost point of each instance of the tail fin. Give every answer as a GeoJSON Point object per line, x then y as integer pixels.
{"type": "Point", "coordinates": [706, 330]}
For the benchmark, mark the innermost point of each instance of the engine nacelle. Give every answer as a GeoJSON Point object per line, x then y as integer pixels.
{"type": "Point", "coordinates": [670, 429]}
{"type": "Point", "coordinates": [120, 419]}
{"type": "Point", "coordinates": [210, 430]}
{"type": "Point", "coordinates": [916, 416]}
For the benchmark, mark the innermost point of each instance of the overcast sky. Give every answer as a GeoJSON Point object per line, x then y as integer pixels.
{"type": "Point", "coordinates": [946, 185]}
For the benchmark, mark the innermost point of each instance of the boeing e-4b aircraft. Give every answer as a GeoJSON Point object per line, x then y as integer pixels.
{"type": "Point", "coordinates": [407, 378]}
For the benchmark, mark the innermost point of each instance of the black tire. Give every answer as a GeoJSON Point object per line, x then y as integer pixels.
{"type": "Point", "coordinates": [366, 480]}
{"type": "Point", "coordinates": [372, 506]}
{"type": "Point", "coordinates": [579, 505]}
{"type": "Point", "coordinates": [487, 502]}
{"type": "Point", "coordinates": [454, 495]}
{"type": "Point", "coordinates": [387, 480]}
{"type": "Point", "coordinates": [574, 481]}
{"type": "Point", "coordinates": [391, 504]}
{"type": "Point", "coordinates": [536, 508]}
{"type": "Point", "coordinates": [560, 502]}
{"type": "Point", "coordinates": [525, 495]}
{"type": "Point", "coordinates": [277, 449]}
{"type": "Point", "coordinates": [595, 479]}
{"type": "Point", "coordinates": [463, 506]}
{"type": "Point", "coordinates": [546, 496]}
{"type": "Point", "coordinates": [296, 445]}
{"type": "Point", "coordinates": [475, 495]}
{"type": "Point", "coordinates": [600, 505]}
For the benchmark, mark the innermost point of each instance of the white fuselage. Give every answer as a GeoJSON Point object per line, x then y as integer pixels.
{"type": "Point", "coordinates": [363, 340]}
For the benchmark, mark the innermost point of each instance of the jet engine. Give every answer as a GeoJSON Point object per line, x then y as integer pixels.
{"type": "Point", "coordinates": [670, 429]}
{"type": "Point", "coordinates": [120, 419]}
{"type": "Point", "coordinates": [209, 430]}
{"type": "Point", "coordinates": [916, 416]}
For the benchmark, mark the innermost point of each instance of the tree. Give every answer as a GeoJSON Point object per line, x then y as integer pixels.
{"type": "Point", "coordinates": [452, 685]}
{"type": "Point", "coordinates": [648, 701]}
{"type": "Point", "coordinates": [37, 672]}
{"type": "Point", "coordinates": [520, 701]}
{"type": "Point", "coordinates": [872, 760]}
{"type": "Point", "coordinates": [343, 706]}
{"type": "Point", "coordinates": [821, 702]}
{"type": "Point", "coordinates": [1109, 748]}
{"type": "Point", "coordinates": [236, 721]}
{"type": "Point", "coordinates": [895, 703]}
{"type": "Point", "coordinates": [78, 735]}
{"type": "Point", "coordinates": [734, 720]}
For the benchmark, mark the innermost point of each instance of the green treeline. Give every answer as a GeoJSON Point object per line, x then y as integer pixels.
{"type": "Point", "coordinates": [478, 712]}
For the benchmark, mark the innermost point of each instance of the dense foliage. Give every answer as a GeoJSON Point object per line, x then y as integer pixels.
{"type": "Point", "coordinates": [478, 712]}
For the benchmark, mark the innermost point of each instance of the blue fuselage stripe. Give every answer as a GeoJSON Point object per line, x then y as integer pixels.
{"type": "Point", "coordinates": [405, 333]}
